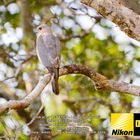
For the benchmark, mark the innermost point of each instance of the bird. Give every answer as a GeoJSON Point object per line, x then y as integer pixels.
{"type": "Point", "coordinates": [48, 50]}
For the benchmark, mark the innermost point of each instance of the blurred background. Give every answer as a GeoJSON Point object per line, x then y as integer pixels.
{"type": "Point", "coordinates": [87, 39]}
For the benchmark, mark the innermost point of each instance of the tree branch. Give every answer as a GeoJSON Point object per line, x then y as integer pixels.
{"type": "Point", "coordinates": [101, 82]}
{"type": "Point", "coordinates": [120, 13]}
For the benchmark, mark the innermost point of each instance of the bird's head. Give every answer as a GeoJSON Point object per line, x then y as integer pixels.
{"type": "Point", "coordinates": [43, 28]}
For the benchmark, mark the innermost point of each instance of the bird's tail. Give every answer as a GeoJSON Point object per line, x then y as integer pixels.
{"type": "Point", "coordinates": [55, 75]}
{"type": "Point", "coordinates": [55, 86]}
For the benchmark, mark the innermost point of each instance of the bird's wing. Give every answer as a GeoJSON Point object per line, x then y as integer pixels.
{"type": "Point", "coordinates": [44, 52]}
{"type": "Point", "coordinates": [48, 50]}
{"type": "Point", "coordinates": [52, 43]}
{"type": "Point", "coordinates": [58, 47]}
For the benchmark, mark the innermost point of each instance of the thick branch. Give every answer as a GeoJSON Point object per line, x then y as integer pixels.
{"type": "Point", "coordinates": [101, 82]}
{"type": "Point", "coordinates": [118, 12]}
{"type": "Point", "coordinates": [13, 104]}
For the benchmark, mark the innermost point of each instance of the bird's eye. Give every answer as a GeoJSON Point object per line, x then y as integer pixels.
{"type": "Point", "coordinates": [40, 28]}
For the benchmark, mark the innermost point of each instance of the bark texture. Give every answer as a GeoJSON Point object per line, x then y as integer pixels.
{"type": "Point", "coordinates": [121, 12]}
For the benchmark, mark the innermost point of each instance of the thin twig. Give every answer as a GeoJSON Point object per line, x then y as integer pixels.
{"type": "Point", "coordinates": [37, 114]}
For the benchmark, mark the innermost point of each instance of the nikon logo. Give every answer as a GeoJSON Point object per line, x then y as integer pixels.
{"type": "Point", "coordinates": [137, 123]}
{"type": "Point", "coordinates": [125, 124]}
{"type": "Point", "coordinates": [121, 132]}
